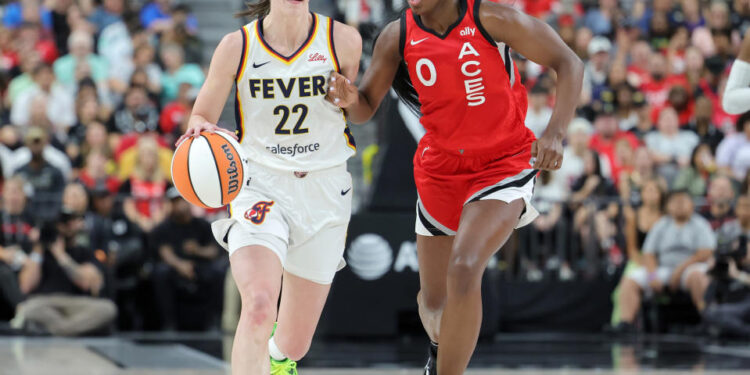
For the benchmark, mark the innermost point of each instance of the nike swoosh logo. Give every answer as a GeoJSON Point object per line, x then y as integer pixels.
{"type": "Point", "coordinates": [344, 192]}
{"type": "Point", "coordinates": [259, 65]}
{"type": "Point", "coordinates": [414, 43]}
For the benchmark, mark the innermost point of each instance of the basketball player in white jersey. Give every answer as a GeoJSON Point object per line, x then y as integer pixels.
{"type": "Point", "coordinates": [288, 225]}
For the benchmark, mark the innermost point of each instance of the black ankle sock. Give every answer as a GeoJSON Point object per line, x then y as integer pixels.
{"type": "Point", "coordinates": [433, 348]}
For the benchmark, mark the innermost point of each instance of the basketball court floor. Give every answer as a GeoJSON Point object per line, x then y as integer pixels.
{"type": "Point", "coordinates": [159, 354]}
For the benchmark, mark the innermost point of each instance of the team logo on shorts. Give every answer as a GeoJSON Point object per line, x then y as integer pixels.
{"type": "Point", "coordinates": [257, 214]}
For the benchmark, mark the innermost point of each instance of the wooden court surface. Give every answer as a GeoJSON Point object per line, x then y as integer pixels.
{"type": "Point", "coordinates": [100, 357]}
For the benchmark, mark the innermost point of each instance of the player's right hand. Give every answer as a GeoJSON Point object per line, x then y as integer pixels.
{"type": "Point", "coordinates": [195, 131]}
{"type": "Point", "coordinates": [341, 91]}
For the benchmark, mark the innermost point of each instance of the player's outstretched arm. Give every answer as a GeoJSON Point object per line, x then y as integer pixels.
{"type": "Point", "coordinates": [541, 44]}
{"type": "Point", "coordinates": [736, 97]}
{"type": "Point", "coordinates": [215, 91]}
{"type": "Point", "coordinates": [361, 104]}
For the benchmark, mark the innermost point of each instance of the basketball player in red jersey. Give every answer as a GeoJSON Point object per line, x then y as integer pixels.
{"type": "Point", "coordinates": [475, 166]}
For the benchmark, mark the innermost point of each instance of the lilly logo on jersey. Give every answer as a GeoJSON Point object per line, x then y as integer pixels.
{"type": "Point", "coordinates": [232, 172]}
{"type": "Point", "coordinates": [317, 57]}
{"type": "Point", "coordinates": [466, 31]}
{"type": "Point", "coordinates": [257, 214]}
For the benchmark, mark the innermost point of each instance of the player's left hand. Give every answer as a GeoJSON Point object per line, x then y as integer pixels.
{"type": "Point", "coordinates": [548, 151]}
{"type": "Point", "coordinates": [341, 91]}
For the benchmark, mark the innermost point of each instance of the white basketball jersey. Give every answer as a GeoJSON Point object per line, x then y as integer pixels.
{"type": "Point", "coordinates": [283, 119]}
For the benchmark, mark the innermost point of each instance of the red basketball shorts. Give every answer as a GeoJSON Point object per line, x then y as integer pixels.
{"type": "Point", "coordinates": [446, 182]}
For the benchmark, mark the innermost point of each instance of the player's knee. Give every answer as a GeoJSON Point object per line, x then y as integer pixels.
{"type": "Point", "coordinates": [464, 273]}
{"type": "Point", "coordinates": [258, 307]}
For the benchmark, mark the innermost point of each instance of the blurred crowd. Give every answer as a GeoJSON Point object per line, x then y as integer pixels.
{"type": "Point", "coordinates": [653, 192]}
{"type": "Point", "coordinates": [94, 94]}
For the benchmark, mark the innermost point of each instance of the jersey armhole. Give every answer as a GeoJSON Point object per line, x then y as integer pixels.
{"type": "Point", "coordinates": [402, 34]}
{"type": "Point", "coordinates": [478, 22]}
{"type": "Point", "coordinates": [243, 57]}
{"type": "Point", "coordinates": [332, 45]}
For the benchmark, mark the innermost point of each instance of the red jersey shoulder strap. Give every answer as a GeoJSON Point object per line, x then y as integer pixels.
{"type": "Point", "coordinates": [402, 33]}
{"type": "Point", "coordinates": [505, 51]}
{"type": "Point", "coordinates": [474, 6]}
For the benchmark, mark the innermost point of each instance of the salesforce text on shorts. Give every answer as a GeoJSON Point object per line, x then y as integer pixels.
{"type": "Point", "coordinates": [294, 150]}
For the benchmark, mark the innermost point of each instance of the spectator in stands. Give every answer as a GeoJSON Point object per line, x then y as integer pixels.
{"type": "Point", "coordinates": [632, 179]}
{"type": "Point", "coordinates": [720, 199]}
{"type": "Point", "coordinates": [539, 112]}
{"type": "Point", "coordinates": [606, 137]}
{"type": "Point", "coordinates": [670, 147]}
{"type": "Point", "coordinates": [46, 104]}
{"type": "Point", "coordinates": [694, 178]}
{"type": "Point", "coordinates": [181, 34]}
{"type": "Point", "coordinates": [733, 153]}
{"type": "Point", "coordinates": [702, 124]}
{"type": "Point", "coordinates": [87, 112]}
{"type": "Point", "coordinates": [593, 207]}
{"type": "Point", "coordinates": [137, 114]}
{"type": "Point", "coordinates": [16, 13]}
{"type": "Point", "coordinates": [177, 112]}
{"type": "Point", "coordinates": [733, 318]}
{"type": "Point", "coordinates": [657, 89]}
{"type": "Point", "coordinates": [177, 72]}
{"type": "Point", "coordinates": [639, 72]}
{"type": "Point", "coordinates": [157, 16]}
{"type": "Point", "coordinates": [29, 38]}
{"type": "Point", "coordinates": [116, 48]}
{"type": "Point", "coordinates": [190, 264]}
{"type": "Point", "coordinates": [579, 136]}
{"type": "Point", "coordinates": [547, 235]}
{"type": "Point", "coordinates": [81, 62]}
{"type": "Point", "coordinates": [595, 72]}
{"type": "Point", "coordinates": [46, 180]}
{"type": "Point", "coordinates": [19, 237]}
{"type": "Point", "coordinates": [126, 254]}
{"type": "Point", "coordinates": [600, 19]}
{"type": "Point", "coordinates": [627, 102]}
{"type": "Point", "coordinates": [66, 283]}
{"type": "Point", "coordinates": [107, 13]}
{"type": "Point", "coordinates": [675, 253]}
{"type": "Point", "coordinates": [641, 216]}
{"type": "Point", "coordinates": [24, 80]}
{"type": "Point", "coordinates": [96, 139]}
{"type": "Point", "coordinates": [146, 187]}
{"type": "Point", "coordinates": [95, 172]}
{"type": "Point", "coordinates": [680, 100]}
{"type": "Point", "coordinates": [693, 67]}
{"type": "Point", "coordinates": [143, 60]}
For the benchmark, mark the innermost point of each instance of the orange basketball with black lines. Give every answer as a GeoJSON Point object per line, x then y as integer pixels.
{"type": "Point", "coordinates": [208, 170]}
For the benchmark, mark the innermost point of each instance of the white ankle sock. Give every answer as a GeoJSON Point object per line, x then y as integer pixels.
{"type": "Point", "coordinates": [274, 350]}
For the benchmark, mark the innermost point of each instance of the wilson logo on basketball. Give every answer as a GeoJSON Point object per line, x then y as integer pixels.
{"type": "Point", "coordinates": [257, 214]}
{"type": "Point", "coordinates": [232, 172]}
{"type": "Point", "coordinates": [317, 57]}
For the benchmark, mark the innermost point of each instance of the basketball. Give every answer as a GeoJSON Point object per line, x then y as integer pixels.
{"type": "Point", "coordinates": [208, 170]}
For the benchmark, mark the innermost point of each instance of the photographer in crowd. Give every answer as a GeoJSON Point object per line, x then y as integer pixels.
{"type": "Point", "coordinates": [729, 309]}
{"type": "Point", "coordinates": [17, 238]}
{"type": "Point", "coordinates": [65, 281]}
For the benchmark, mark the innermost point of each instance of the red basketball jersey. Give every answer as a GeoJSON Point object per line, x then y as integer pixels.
{"type": "Point", "coordinates": [472, 99]}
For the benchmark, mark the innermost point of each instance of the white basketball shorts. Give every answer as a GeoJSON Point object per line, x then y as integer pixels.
{"type": "Point", "coordinates": [302, 218]}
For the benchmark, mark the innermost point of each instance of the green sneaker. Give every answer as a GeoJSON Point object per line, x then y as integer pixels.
{"type": "Point", "coordinates": [285, 367]}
